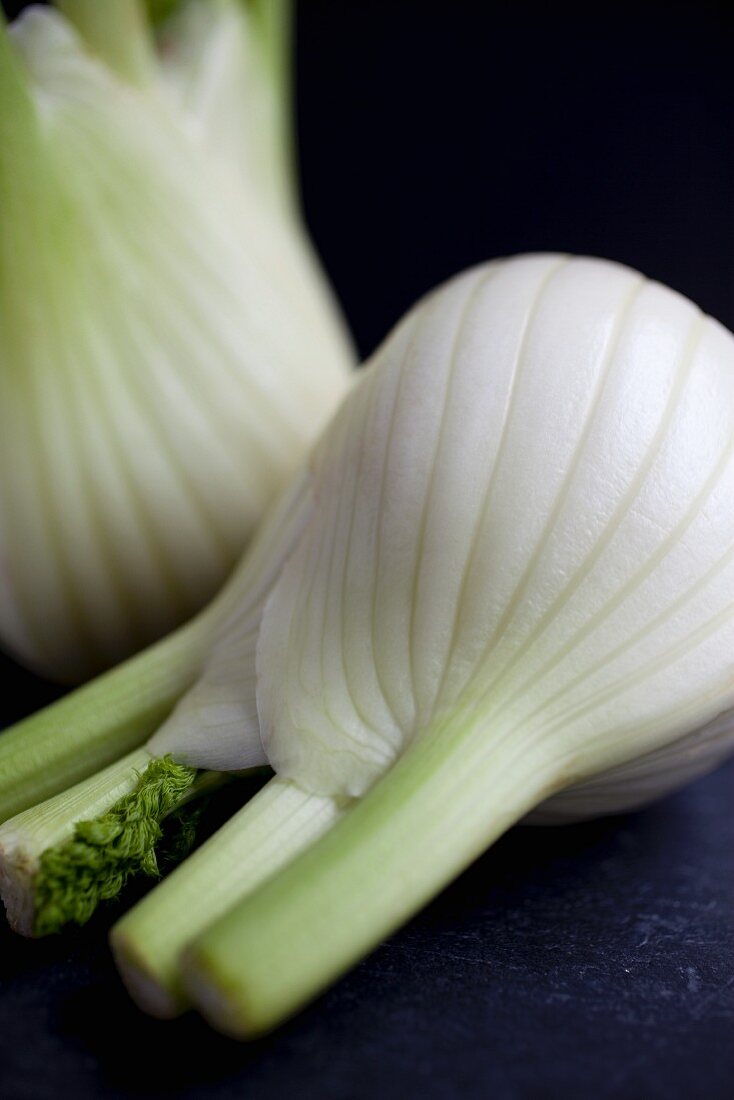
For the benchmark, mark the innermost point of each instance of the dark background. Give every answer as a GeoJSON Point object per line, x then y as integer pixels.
{"type": "Point", "coordinates": [595, 960]}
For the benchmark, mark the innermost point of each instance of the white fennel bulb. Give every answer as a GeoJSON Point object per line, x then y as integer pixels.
{"type": "Point", "coordinates": [517, 581]}
{"type": "Point", "coordinates": [525, 515]}
{"type": "Point", "coordinates": [168, 346]}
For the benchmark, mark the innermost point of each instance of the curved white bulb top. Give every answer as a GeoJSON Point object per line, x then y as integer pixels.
{"type": "Point", "coordinates": [168, 346]}
{"type": "Point", "coordinates": [523, 521]}
{"type": "Point", "coordinates": [522, 515]}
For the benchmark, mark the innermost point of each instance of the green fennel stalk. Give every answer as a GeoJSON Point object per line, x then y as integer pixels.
{"type": "Point", "coordinates": [436, 811]}
{"type": "Point", "coordinates": [95, 725]}
{"type": "Point", "coordinates": [273, 828]}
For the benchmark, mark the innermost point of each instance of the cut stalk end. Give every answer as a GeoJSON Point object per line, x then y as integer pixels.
{"type": "Point", "coordinates": [59, 860]}
{"type": "Point", "coordinates": [104, 853]}
{"type": "Point", "coordinates": [164, 1000]}
{"type": "Point", "coordinates": [233, 1010]}
{"type": "Point", "coordinates": [18, 869]}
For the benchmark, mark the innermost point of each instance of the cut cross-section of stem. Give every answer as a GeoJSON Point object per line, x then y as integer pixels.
{"type": "Point", "coordinates": [59, 860]}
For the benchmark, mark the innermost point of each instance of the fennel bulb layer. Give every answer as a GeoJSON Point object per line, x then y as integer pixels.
{"type": "Point", "coordinates": [168, 348]}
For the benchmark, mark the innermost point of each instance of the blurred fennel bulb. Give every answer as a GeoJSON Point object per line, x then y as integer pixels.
{"type": "Point", "coordinates": [168, 346]}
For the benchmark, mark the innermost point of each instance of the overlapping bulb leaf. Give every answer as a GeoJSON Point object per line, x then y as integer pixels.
{"type": "Point", "coordinates": [168, 347]}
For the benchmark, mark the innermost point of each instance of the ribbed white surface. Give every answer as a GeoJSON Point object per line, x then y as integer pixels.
{"type": "Point", "coordinates": [525, 509]}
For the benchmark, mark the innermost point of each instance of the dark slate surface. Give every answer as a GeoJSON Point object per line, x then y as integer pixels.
{"type": "Point", "coordinates": [592, 961]}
